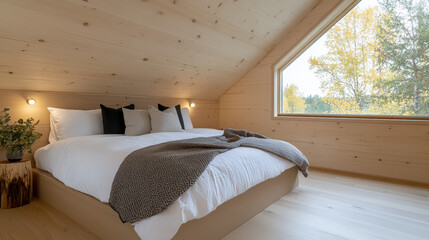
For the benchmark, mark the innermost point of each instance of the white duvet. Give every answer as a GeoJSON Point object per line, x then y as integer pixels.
{"type": "Point", "coordinates": [89, 164]}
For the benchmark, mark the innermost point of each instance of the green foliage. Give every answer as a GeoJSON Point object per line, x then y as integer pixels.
{"type": "Point", "coordinates": [19, 135]}
{"type": "Point", "coordinates": [316, 105]}
{"type": "Point", "coordinates": [403, 35]}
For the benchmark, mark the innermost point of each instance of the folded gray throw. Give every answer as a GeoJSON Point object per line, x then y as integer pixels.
{"type": "Point", "coordinates": [150, 179]}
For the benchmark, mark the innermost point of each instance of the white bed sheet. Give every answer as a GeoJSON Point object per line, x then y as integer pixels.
{"type": "Point", "coordinates": [89, 164]}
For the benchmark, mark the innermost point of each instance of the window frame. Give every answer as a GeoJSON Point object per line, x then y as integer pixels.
{"type": "Point", "coordinates": [336, 15]}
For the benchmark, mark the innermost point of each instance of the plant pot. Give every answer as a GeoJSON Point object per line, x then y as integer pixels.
{"type": "Point", "coordinates": [14, 156]}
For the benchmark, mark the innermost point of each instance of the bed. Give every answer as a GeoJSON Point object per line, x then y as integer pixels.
{"type": "Point", "coordinates": [75, 175]}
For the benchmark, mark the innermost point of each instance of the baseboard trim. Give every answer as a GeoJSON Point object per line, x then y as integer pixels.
{"type": "Point", "coordinates": [371, 177]}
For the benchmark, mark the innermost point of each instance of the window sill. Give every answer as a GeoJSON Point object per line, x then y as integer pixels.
{"type": "Point", "coordinates": [355, 118]}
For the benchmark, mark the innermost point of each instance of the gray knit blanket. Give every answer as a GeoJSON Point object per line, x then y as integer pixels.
{"type": "Point", "coordinates": [151, 179]}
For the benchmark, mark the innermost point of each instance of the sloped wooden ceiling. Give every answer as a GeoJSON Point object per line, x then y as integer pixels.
{"type": "Point", "coordinates": [176, 48]}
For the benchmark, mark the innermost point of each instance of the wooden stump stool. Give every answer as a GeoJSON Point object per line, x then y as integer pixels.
{"type": "Point", "coordinates": [15, 183]}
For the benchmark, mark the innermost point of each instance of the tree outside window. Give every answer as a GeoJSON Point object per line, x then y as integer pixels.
{"type": "Point", "coordinates": [374, 61]}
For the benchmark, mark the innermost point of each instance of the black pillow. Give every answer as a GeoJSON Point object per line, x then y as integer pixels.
{"type": "Point", "coordinates": [178, 110]}
{"type": "Point", "coordinates": [113, 119]}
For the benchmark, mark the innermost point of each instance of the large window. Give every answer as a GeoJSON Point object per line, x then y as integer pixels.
{"type": "Point", "coordinates": [374, 61]}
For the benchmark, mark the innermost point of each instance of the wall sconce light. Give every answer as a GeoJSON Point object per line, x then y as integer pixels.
{"type": "Point", "coordinates": [192, 105]}
{"type": "Point", "coordinates": [31, 101]}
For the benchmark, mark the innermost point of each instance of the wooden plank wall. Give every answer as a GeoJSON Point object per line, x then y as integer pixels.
{"type": "Point", "coordinates": [204, 114]}
{"type": "Point", "coordinates": [386, 148]}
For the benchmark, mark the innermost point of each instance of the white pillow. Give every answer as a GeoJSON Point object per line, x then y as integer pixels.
{"type": "Point", "coordinates": [187, 119]}
{"type": "Point", "coordinates": [137, 122]}
{"type": "Point", "coordinates": [52, 134]}
{"type": "Point", "coordinates": [165, 121]}
{"type": "Point", "coordinates": [67, 123]}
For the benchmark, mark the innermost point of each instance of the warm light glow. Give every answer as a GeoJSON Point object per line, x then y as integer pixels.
{"type": "Point", "coordinates": [31, 101]}
{"type": "Point", "coordinates": [192, 104]}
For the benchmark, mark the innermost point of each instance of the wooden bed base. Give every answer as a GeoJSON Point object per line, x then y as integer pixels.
{"type": "Point", "coordinates": [104, 222]}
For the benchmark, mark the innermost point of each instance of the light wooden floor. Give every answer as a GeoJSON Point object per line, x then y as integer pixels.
{"type": "Point", "coordinates": [40, 221]}
{"type": "Point", "coordinates": [327, 206]}
{"type": "Point", "coordinates": [324, 206]}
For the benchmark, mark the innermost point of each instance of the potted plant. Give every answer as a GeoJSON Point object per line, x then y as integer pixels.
{"type": "Point", "coordinates": [17, 137]}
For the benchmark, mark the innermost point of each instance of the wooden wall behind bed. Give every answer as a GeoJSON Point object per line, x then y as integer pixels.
{"type": "Point", "coordinates": [204, 114]}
